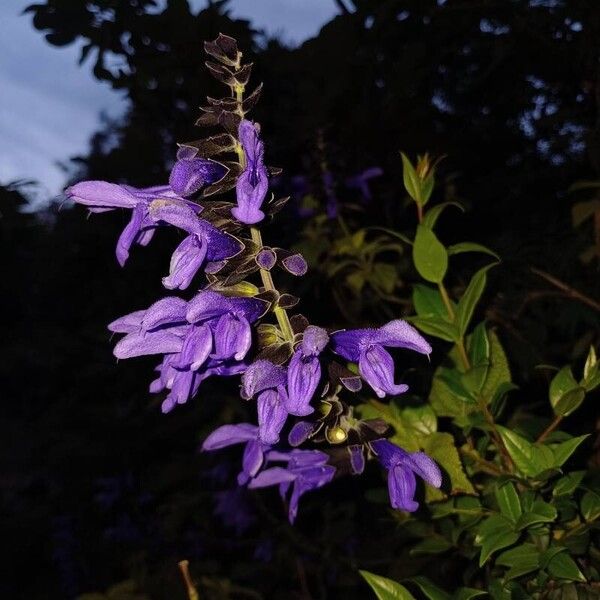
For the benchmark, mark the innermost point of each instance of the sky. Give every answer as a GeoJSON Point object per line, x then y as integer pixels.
{"type": "Point", "coordinates": [49, 106]}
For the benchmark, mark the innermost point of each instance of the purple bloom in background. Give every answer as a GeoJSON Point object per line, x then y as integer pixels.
{"type": "Point", "coordinates": [361, 181]}
{"type": "Point", "coordinates": [304, 371]}
{"type": "Point", "coordinates": [366, 346]}
{"type": "Point", "coordinates": [268, 381]}
{"type": "Point", "coordinates": [242, 433]}
{"type": "Point", "coordinates": [190, 174]}
{"type": "Point", "coordinates": [204, 242]}
{"type": "Point", "coordinates": [101, 196]}
{"type": "Point", "coordinates": [332, 201]}
{"type": "Point", "coordinates": [235, 510]}
{"type": "Point", "coordinates": [305, 470]}
{"type": "Point", "coordinates": [252, 184]}
{"type": "Point", "coordinates": [402, 467]}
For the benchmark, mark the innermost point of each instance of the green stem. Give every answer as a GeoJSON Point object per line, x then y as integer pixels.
{"type": "Point", "coordinates": [267, 281]}
{"type": "Point", "coordinates": [555, 423]}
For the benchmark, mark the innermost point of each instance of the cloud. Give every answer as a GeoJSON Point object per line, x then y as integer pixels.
{"type": "Point", "coordinates": [49, 106]}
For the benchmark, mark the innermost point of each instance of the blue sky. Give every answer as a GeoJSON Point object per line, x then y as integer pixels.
{"type": "Point", "coordinates": [49, 106]}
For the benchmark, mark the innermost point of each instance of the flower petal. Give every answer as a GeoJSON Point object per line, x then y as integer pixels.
{"type": "Point", "coordinates": [303, 376]}
{"type": "Point", "coordinates": [261, 375]}
{"type": "Point", "coordinates": [101, 194]}
{"type": "Point", "coordinates": [271, 416]}
{"type": "Point", "coordinates": [141, 344]}
{"type": "Point", "coordinates": [129, 234]}
{"type": "Point", "coordinates": [185, 262]}
{"type": "Point", "coordinates": [425, 467]}
{"type": "Point", "coordinates": [228, 435]}
{"type": "Point", "coordinates": [233, 337]}
{"type": "Point", "coordinates": [401, 487]}
{"type": "Point", "coordinates": [377, 368]}
{"type": "Point", "coordinates": [400, 334]}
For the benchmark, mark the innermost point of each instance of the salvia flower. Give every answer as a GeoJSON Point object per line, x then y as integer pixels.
{"type": "Point", "coordinates": [360, 181]}
{"type": "Point", "coordinates": [228, 320]}
{"type": "Point", "coordinates": [220, 332]}
{"type": "Point", "coordinates": [253, 183]}
{"type": "Point", "coordinates": [204, 242]}
{"type": "Point", "coordinates": [268, 381]}
{"type": "Point", "coordinates": [304, 371]}
{"type": "Point", "coordinates": [402, 466]}
{"type": "Point", "coordinates": [190, 174]}
{"type": "Point", "coordinates": [367, 347]}
{"type": "Point", "coordinates": [305, 470]}
{"type": "Point", "coordinates": [101, 196]}
{"type": "Point", "coordinates": [241, 433]}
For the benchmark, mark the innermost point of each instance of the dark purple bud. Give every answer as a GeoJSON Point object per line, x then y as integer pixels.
{"type": "Point", "coordinates": [266, 259]}
{"type": "Point", "coordinates": [295, 264]}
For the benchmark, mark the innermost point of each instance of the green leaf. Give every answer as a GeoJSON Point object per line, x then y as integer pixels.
{"type": "Point", "coordinates": [470, 247]}
{"type": "Point", "coordinates": [508, 501]}
{"type": "Point", "coordinates": [478, 346]}
{"type": "Point", "coordinates": [468, 302]}
{"type": "Point", "coordinates": [566, 485]}
{"type": "Point", "coordinates": [433, 214]}
{"type": "Point", "coordinates": [495, 533]}
{"type": "Point", "coordinates": [499, 371]}
{"type": "Point", "coordinates": [408, 427]}
{"type": "Point", "coordinates": [590, 362]}
{"type": "Point", "coordinates": [412, 182]}
{"type": "Point", "coordinates": [565, 393]}
{"type": "Point", "coordinates": [441, 448]}
{"type": "Point", "coordinates": [564, 567]}
{"type": "Point", "coordinates": [591, 371]}
{"type": "Point", "coordinates": [564, 450]}
{"type": "Point", "coordinates": [428, 302]}
{"type": "Point", "coordinates": [386, 589]}
{"type": "Point", "coordinates": [520, 560]}
{"type": "Point", "coordinates": [437, 327]}
{"type": "Point", "coordinates": [530, 459]}
{"type": "Point", "coordinates": [434, 544]}
{"type": "Point", "coordinates": [590, 506]}
{"type": "Point", "coordinates": [540, 512]}
{"type": "Point", "coordinates": [432, 591]}
{"type": "Point", "coordinates": [427, 188]}
{"type": "Point", "coordinates": [429, 255]}
{"type": "Point", "coordinates": [384, 277]}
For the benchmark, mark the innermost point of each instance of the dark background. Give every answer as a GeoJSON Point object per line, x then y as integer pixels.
{"type": "Point", "coordinates": [98, 486]}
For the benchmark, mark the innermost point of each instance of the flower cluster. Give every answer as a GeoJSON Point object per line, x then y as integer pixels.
{"type": "Point", "coordinates": [297, 374]}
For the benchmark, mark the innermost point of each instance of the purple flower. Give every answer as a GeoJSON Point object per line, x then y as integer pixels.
{"type": "Point", "coordinates": [253, 183]}
{"type": "Point", "coordinates": [305, 470]}
{"type": "Point", "coordinates": [204, 242]}
{"type": "Point", "coordinates": [366, 346]}
{"type": "Point", "coordinates": [229, 320]}
{"type": "Point", "coordinates": [268, 381]}
{"type": "Point", "coordinates": [332, 201]}
{"type": "Point", "coordinates": [242, 433]}
{"type": "Point", "coordinates": [210, 335]}
{"type": "Point", "coordinates": [402, 467]}
{"type": "Point", "coordinates": [304, 371]}
{"type": "Point", "coordinates": [361, 181]}
{"type": "Point", "coordinates": [190, 174]}
{"type": "Point", "coordinates": [101, 196]}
